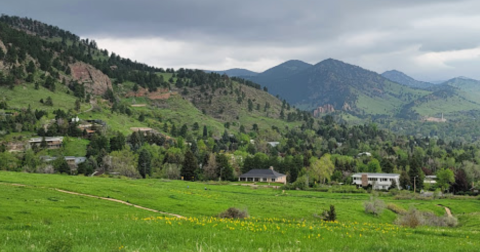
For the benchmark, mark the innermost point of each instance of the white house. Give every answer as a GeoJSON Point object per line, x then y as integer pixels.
{"type": "Point", "coordinates": [273, 144]}
{"type": "Point", "coordinates": [430, 179]}
{"type": "Point", "coordinates": [378, 181]}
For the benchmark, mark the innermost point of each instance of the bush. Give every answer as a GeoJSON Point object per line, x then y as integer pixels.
{"type": "Point", "coordinates": [374, 206]}
{"type": "Point", "coordinates": [301, 182]}
{"type": "Point", "coordinates": [234, 213]}
{"type": "Point", "coordinates": [396, 209]}
{"type": "Point", "coordinates": [329, 215]}
{"type": "Point", "coordinates": [402, 195]}
{"type": "Point", "coordinates": [394, 192]}
{"type": "Point", "coordinates": [414, 218]}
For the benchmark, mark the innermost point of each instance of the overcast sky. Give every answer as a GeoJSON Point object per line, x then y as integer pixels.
{"type": "Point", "coordinates": [427, 39]}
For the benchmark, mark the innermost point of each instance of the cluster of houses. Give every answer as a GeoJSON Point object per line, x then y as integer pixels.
{"type": "Point", "coordinates": [378, 181]}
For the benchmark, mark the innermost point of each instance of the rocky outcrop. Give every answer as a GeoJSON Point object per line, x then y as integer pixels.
{"type": "Point", "coordinates": [4, 48]}
{"type": "Point", "coordinates": [327, 108]}
{"type": "Point", "coordinates": [94, 80]}
{"type": "Point", "coordinates": [346, 107]}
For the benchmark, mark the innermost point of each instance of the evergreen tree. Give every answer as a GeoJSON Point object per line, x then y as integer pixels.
{"type": "Point", "coordinates": [189, 166]}
{"type": "Point", "coordinates": [184, 130]}
{"type": "Point", "coordinates": [404, 180]}
{"type": "Point", "coordinates": [117, 142]}
{"type": "Point", "coordinates": [415, 173]}
{"type": "Point", "coordinates": [205, 132]}
{"type": "Point", "coordinates": [61, 166]}
{"type": "Point", "coordinates": [43, 143]}
{"type": "Point", "coordinates": [145, 163]}
{"type": "Point", "coordinates": [225, 169]}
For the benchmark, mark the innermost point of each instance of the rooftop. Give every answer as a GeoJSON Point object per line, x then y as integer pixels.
{"type": "Point", "coordinates": [47, 139]}
{"type": "Point", "coordinates": [390, 175]}
{"type": "Point", "coordinates": [262, 173]}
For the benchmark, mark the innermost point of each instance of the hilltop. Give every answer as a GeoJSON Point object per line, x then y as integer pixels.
{"type": "Point", "coordinates": [399, 77]}
{"type": "Point", "coordinates": [235, 72]}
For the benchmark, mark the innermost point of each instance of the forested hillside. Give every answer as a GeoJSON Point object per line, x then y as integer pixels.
{"type": "Point", "coordinates": [141, 121]}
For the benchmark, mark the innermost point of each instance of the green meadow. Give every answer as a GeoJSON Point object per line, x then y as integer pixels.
{"type": "Point", "coordinates": [36, 217]}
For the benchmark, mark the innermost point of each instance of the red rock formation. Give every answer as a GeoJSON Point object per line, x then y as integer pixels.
{"type": "Point", "coordinates": [95, 81]}
{"type": "Point", "coordinates": [327, 108]}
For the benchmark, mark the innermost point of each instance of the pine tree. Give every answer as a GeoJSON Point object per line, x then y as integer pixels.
{"type": "Point", "coordinates": [415, 173]}
{"type": "Point", "coordinates": [145, 163]}
{"type": "Point", "coordinates": [189, 166]}
{"type": "Point", "coordinates": [225, 169]}
{"type": "Point", "coordinates": [205, 132]}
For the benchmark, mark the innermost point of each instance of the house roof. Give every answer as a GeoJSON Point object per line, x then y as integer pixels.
{"type": "Point", "coordinates": [377, 175]}
{"type": "Point", "coordinates": [273, 144]}
{"type": "Point", "coordinates": [262, 173]}
{"type": "Point", "coordinates": [47, 139]}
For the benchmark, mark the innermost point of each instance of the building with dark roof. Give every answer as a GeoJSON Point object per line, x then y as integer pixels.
{"type": "Point", "coordinates": [263, 175]}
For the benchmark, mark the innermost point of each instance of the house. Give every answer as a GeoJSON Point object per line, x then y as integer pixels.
{"type": "Point", "coordinates": [378, 181]}
{"type": "Point", "coordinates": [430, 179]}
{"type": "Point", "coordinates": [263, 175]}
{"type": "Point", "coordinates": [52, 142]}
{"type": "Point", "coordinates": [368, 154]}
{"type": "Point", "coordinates": [73, 162]}
{"type": "Point", "coordinates": [273, 144]}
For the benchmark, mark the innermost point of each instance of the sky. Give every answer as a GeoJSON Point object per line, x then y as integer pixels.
{"type": "Point", "coordinates": [430, 40]}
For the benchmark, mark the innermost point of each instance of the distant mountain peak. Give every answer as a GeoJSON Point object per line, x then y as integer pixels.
{"type": "Point", "coordinates": [402, 78]}
{"type": "Point", "coordinates": [464, 78]}
{"type": "Point", "coordinates": [235, 72]}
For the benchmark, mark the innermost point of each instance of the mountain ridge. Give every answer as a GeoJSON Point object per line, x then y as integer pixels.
{"type": "Point", "coordinates": [402, 78]}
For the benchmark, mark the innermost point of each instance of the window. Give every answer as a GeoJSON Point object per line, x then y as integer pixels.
{"type": "Point", "coordinates": [264, 179]}
{"type": "Point", "coordinates": [273, 179]}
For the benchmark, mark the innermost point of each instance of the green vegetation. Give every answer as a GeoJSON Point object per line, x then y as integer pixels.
{"type": "Point", "coordinates": [287, 222]}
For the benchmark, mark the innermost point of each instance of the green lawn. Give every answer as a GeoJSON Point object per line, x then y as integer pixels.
{"type": "Point", "coordinates": [26, 95]}
{"type": "Point", "coordinates": [39, 218]}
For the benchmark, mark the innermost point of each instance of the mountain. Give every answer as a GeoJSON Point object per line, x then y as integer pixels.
{"type": "Point", "coordinates": [283, 70]}
{"type": "Point", "coordinates": [399, 77]}
{"type": "Point", "coordinates": [279, 73]}
{"type": "Point", "coordinates": [334, 85]}
{"type": "Point", "coordinates": [48, 69]}
{"type": "Point", "coordinates": [468, 87]}
{"type": "Point", "coordinates": [235, 72]}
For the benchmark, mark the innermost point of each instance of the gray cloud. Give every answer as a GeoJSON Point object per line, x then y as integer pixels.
{"type": "Point", "coordinates": [427, 39]}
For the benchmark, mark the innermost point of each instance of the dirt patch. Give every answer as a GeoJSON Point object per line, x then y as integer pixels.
{"type": "Point", "coordinates": [447, 210]}
{"type": "Point", "coordinates": [160, 94]}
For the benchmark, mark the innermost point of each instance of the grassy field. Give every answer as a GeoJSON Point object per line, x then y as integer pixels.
{"type": "Point", "coordinates": [454, 105]}
{"type": "Point", "coordinates": [37, 218]}
{"type": "Point", "coordinates": [24, 95]}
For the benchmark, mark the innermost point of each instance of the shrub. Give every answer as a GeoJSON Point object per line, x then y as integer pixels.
{"type": "Point", "coordinates": [394, 192]}
{"type": "Point", "coordinates": [329, 215]}
{"type": "Point", "coordinates": [301, 182]}
{"type": "Point", "coordinates": [396, 209]}
{"type": "Point", "coordinates": [402, 195]}
{"type": "Point", "coordinates": [234, 213]}
{"type": "Point", "coordinates": [374, 206]}
{"type": "Point", "coordinates": [437, 193]}
{"type": "Point", "coordinates": [414, 218]}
